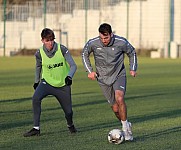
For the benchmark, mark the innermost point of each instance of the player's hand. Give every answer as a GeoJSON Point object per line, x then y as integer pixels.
{"type": "Point", "coordinates": [35, 85]}
{"type": "Point", "coordinates": [92, 75]}
{"type": "Point", "coordinates": [68, 80]}
{"type": "Point", "coordinates": [133, 73]}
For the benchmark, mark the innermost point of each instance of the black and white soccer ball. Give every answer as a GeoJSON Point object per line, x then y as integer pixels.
{"type": "Point", "coordinates": [116, 136]}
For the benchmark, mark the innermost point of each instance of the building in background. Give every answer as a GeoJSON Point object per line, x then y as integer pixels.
{"type": "Point", "coordinates": [147, 24]}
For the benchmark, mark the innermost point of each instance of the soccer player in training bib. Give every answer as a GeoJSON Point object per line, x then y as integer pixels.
{"type": "Point", "coordinates": [108, 50]}
{"type": "Point", "coordinates": [55, 69]}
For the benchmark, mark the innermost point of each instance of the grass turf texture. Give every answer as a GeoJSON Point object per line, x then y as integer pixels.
{"type": "Point", "coordinates": [153, 101]}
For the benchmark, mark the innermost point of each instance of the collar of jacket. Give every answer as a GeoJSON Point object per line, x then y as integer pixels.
{"type": "Point", "coordinates": [53, 50]}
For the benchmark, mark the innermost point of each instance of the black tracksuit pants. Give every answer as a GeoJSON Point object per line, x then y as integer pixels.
{"type": "Point", "coordinates": [62, 94]}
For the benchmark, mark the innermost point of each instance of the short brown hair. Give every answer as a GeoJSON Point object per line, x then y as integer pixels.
{"type": "Point", "coordinates": [105, 29]}
{"type": "Point", "coordinates": [47, 34]}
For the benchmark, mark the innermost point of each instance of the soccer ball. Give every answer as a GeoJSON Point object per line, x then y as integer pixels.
{"type": "Point", "coordinates": [116, 136]}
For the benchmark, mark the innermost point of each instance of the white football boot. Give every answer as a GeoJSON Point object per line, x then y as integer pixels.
{"type": "Point", "coordinates": [128, 133]}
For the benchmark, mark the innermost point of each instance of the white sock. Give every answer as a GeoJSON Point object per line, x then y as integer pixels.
{"type": "Point", "coordinates": [37, 128]}
{"type": "Point", "coordinates": [124, 123]}
{"type": "Point", "coordinates": [69, 125]}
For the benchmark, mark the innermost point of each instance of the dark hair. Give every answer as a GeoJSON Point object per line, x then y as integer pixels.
{"type": "Point", "coordinates": [47, 34]}
{"type": "Point", "coordinates": [105, 29]}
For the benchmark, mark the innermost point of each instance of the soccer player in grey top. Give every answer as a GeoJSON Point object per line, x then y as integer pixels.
{"type": "Point", "coordinates": [108, 50]}
{"type": "Point", "coordinates": [54, 71]}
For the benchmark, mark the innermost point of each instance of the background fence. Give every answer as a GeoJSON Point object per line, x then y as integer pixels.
{"type": "Point", "coordinates": [147, 24]}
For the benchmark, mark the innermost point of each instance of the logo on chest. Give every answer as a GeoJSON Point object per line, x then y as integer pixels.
{"type": "Point", "coordinates": [51, 66]}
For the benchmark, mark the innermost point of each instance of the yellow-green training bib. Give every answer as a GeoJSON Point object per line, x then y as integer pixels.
{"type": "Point", "coordinates": [55, 69]}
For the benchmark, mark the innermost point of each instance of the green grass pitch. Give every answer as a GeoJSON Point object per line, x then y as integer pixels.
{"type": "Point", "coordinates": [153, 99]}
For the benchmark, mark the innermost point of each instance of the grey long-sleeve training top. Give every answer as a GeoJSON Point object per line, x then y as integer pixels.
{"type": "Point", "coordinates": [65, 53]}
{"type": "Point", "coordinates": [109, 60]}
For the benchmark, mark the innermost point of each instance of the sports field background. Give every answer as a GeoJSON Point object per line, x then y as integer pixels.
{"type": "Point", "coordinates": [153, 101]}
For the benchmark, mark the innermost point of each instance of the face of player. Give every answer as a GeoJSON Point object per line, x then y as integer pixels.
{"type": "Point", "coordinates": [48, 43]}
{"type": "Point", "coordinates": [105, 39]}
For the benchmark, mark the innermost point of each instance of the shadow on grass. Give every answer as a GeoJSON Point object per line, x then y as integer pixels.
{"type": "Point", "coordinates": [138, 119]}
{"type": "Point", "coordinates": [83, 93]}
{"type": "Point", "coordinates": [157, 134]}
{"type": "Point", "coordinates": [85, 128]}
{"type": "Point", "coordinates": [16, 100]}
{"type": "Point", "coordinates": [167, 114]}
{"type": "Point", "coordinates": [144, 96]}
{"type": "Point", "coordinates": [104, 125]}
{"type": "Point", "coordinates": [30, 98]}
{"type": "Point", "coordinates": [23, 123]}
{"type": "Point", "coordinates": [86, 93]}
